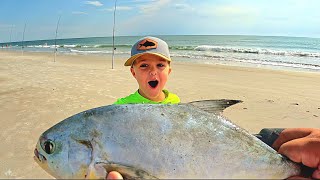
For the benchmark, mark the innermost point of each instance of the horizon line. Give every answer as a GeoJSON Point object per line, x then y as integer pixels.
{"type": "Point", "coordinates": [161, 35]}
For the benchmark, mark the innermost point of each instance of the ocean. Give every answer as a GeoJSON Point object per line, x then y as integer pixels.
{"type": "Point", "coordinates": [275, 52]}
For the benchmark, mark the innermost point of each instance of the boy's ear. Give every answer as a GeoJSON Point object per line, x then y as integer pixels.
{"type": "Point", "coordinates": [132, 72]}
{"type": "Point", "coordinates": [169, 70]}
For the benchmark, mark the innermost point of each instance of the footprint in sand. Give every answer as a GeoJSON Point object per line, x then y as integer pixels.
{"type": "Point", "coordinates": [9, 173]}
{"type": "Point", "coordinates": [270, 100]}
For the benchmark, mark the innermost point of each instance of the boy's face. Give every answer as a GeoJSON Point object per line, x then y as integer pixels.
{"type": "Point", "coordinates": [151, 73]}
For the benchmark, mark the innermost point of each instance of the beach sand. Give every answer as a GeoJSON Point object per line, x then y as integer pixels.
{"type": "Point", "coordinates": [37, 93]}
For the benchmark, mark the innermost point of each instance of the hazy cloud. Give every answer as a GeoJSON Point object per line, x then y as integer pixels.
{"type": "Point", "coordinates": [119, 8]}
{"type": "Point", "coordinates": [154, 6]}
{"type": "Point", "coordinates": [228, 11]}
{"type": "Point", "coordinates": [185, 7]}
{"type": "Point", "coordinates": [94, 3]}
{"type": "Point", "coordinates": [143, 1]}
{"type": "Point", "coordinates": [124, 8]}
{"type": "Point", "coordinates": [6, 26]}
{"type": "Point", "coordinates": [79, 13]}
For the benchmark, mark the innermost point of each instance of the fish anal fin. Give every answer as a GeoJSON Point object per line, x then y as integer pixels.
{"type": "Point", "coordinates": [214, 106]}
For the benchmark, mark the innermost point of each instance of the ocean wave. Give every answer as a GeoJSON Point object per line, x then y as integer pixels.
{"type": "Point", "coordinates": [89, 52]}
{"type": "Point", "coordinates": [283, 64]}
{"type": "Point", "coordinates": [256, 51]}
{"type": "Point", "coordinates": [71, 46]}
{"type": "Point", "coordinates": [210, 58]}
{"type": "Point", "coordinates": [96, 52]}
{"type": "Point", "coordinates": [42, 46]}
{"type": "Point", "coordinates": [194, 56]}
{"type": "Point", "coordinates": [79, 46]}
{"type": "Point", "coordinates": [182, 47]}
{"type": "Point", "coordinates": [110, 45]}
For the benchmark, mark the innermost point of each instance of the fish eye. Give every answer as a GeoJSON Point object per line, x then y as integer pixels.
{"type": "Point", "coordinates": [48, 146]}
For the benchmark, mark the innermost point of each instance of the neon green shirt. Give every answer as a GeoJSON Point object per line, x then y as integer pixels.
{"type": "Point", "coordinates": [136, 98]}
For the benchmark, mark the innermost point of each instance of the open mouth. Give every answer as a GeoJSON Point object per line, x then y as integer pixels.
{"type": "Point", "coordinates": [153, 84]}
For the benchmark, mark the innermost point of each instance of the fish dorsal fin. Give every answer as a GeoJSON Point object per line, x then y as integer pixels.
{"type": "Point", "coordinates": [214, 106]}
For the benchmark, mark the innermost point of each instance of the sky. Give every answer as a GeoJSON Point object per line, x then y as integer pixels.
{"type": "Point", "coordinates": [84, 18]}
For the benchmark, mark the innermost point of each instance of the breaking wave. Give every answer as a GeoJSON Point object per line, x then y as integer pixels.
{"type": "Point", "coordinates": [256, 51]}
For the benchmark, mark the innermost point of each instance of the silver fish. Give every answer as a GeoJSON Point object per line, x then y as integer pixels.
{"type": "Point", "coordinates": [158, 141]}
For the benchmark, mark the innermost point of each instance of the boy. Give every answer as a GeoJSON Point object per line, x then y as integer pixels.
{"type": "Point", "coordinates": [150, 66]}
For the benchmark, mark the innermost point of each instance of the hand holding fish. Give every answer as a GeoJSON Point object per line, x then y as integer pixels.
{"type": "Point", "coordinates": [114, 175]}
{"type": "Point", "coordinates": [301, 145]}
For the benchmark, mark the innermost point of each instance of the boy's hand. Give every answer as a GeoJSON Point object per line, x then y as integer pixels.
{"type": "Point", "coordinates": [301, 145]}
{"type": "Point", "coordinates": [114, 175]}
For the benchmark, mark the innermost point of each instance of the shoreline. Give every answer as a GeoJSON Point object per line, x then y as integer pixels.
{"type": "Point", "coordinates": [178, 59]}
{"type": "Point", "coordinates": [37, 93]}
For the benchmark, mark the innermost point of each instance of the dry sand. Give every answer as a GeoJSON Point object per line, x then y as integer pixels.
{"type": "Point", "coordinates": [36, 93]}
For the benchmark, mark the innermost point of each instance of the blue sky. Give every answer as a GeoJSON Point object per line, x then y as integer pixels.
{"type": "Point", "coordinates": [82, 18]}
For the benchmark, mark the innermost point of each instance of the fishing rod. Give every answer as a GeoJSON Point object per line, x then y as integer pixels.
{"type": "Point", "coordinates": [114, 24]}
{"type": "Point", "coordinates": [55, 41]}
{"type": "Point", "coordinates": [10, 35]}
{"type": "Point", "coordinates": [24, 30]}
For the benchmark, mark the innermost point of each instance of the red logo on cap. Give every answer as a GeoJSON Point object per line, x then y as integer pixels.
{"type": "Point", "coordinates": [146, 44]}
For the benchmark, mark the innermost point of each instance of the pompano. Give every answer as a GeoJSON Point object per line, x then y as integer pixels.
{"type": "Point", "coordinates": [158, 141]}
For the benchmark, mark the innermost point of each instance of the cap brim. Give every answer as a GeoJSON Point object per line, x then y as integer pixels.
{"type": "Point", "coordinates": [130, 61]}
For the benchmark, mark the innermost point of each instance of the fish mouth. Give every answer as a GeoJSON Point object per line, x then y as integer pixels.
{"type": "Point", "coordinates": [42, 162]}
{"type": "Point", "coordinates": [153, 84]}
{"type": "Point", "coordinates": [39, 157]}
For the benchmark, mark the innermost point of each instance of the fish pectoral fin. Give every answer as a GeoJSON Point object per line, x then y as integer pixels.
{"type": "Point", "coordinates": [214, 106]}
{"type": "Point", "coordinates": [127, 172]}
{"type": "Point", "coordinates": [96, 171]}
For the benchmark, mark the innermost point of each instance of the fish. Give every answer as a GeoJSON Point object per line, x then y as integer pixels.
{"type": "Point", "coordinates": [147, 43]}
{"type": "Point", "coordinates": [158, 141]}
